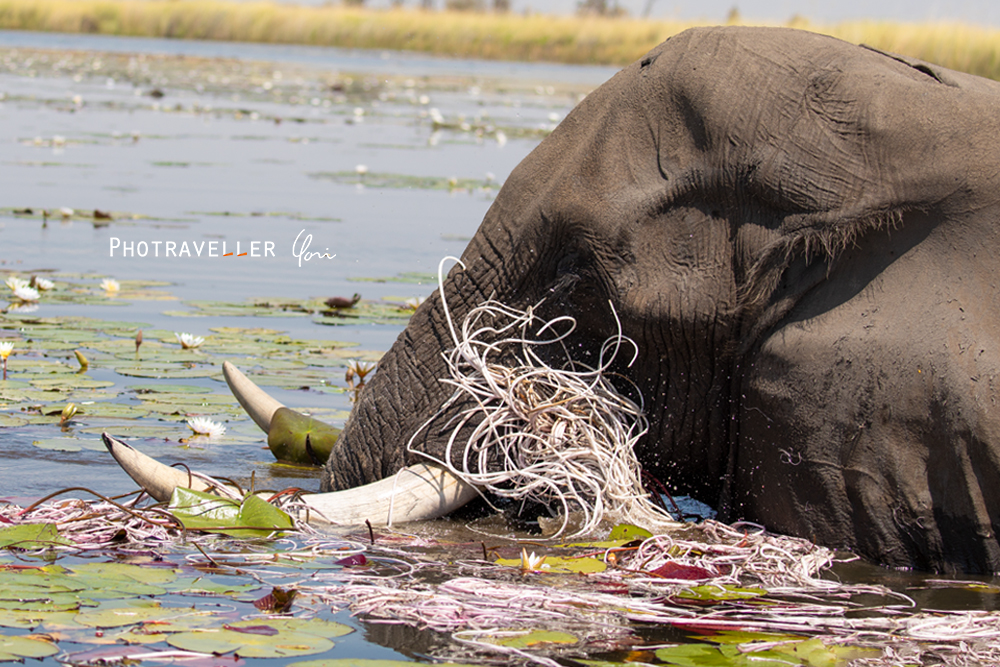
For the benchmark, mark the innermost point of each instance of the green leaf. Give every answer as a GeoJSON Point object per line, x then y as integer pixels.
{"type": "Point", "coordinates": [626, 531]}
{"type": "Point", "coordinates": [560, 565]}
{"type": "Point", "coordinates": [714, 593]}
{"type": "Point", "coordinates": [16, 649]}
{"type": "Point", "coordinates": [251, 644]}
{"type": "Point", "coordinates": [251, 518]}
{"type": "Point", "coordinates": [31, 536]}
{"type": "Point", "coordinates": [290, 433]}
{"type": "Point", "coordinates": [117, 617]}
{"type": "Point", "coordinates": [154, 576]}
{"type": "Point", "coordinates": [534, 638]}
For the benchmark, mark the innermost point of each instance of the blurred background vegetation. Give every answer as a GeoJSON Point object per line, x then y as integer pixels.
{"type": "Point", "coordinates": [600, 32]}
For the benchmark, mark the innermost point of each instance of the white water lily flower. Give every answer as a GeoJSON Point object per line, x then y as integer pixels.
{"type": "Point", "coordinates": [414, 302]}
{"type": "Point", "coordinates": [207, 427]}
{"type": "Point", "coordinates": [361, 169]}
{"type": "Point", "coordinates": [26, 293]}
{"type": "Point", "coordinates": [14, 282]}
{"type": "Point", "coordinates": [360, 368]}
{"type": "Point", "coordinates": [44, 284]}
{"type": "Point", "coordinates": [110, 285]}
{"type": "Point", "coordinates": [531, 563]}
{"type": "Point", "coordinates": [189, 342]}
{"type": "Point", "coordinates": [6, 348]}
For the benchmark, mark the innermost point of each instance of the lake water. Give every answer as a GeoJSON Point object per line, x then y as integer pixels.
{"type": "Point", "coordinates": [202, 143]}
{"type": "Point", "coordinates": [386, 161]}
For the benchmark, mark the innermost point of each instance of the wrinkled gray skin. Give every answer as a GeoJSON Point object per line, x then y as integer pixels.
{"type": "Point", "coordinates": [801, 236]}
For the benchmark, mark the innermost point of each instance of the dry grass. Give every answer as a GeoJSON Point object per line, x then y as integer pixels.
{"type": "Point", "coordinates": [469, 35]}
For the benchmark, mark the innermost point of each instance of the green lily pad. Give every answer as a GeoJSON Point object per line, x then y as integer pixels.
{"type": "Point", "coordinates": [534, 638]}
{"type": "Point", "coordinates": [251, 518]}
{"type": "Point", "coordinates": [11, 420]}
{"type": "Point", "coordinates": [206, 586]}
{"type": "Point", "coordinates": [164, 371]}
{"type": "Point", "coordinates": [31, 536]}
{"type": "Point", "coordinates": [714, 593]}
{"type": "Point", "coordinates": [811, 652]}
{"type": "Point", "coordinates": [626, 531]}
{"type": "Point", "coordinates": [29, 620]}
{"type": "Point", "coordinates": [69, 445]}
{"type": "Point", "coordinates": [560, 565]}
{"type": "Point", "coordinates": [252, 639]}
{"type": "Point", "coordinates": [118, 571]}
{"type": "Point", "coordinates": [108, 410]}
{"type": "Point", "coordinates": [17, 648]}
{"type": "Point", "coordinates": [168, 388]}
{"type": "Point", "coordinates": [68, 382]}
{"type": "Point", "coordinates": [159, 430]}
{"type": "Point", "coordinates": [117, 617]}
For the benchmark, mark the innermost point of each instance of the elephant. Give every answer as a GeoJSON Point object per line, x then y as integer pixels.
{"type": "Point", "coordinates": [800, 236]}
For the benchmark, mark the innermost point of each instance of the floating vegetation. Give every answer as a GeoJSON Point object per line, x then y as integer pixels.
{"type": "Point", "coordinates": [57, 370]}
{"type": "Point", "coordinates": [726, 594]}
{"type": "Point", "coordinates": [387, 180]}
{"type": "Point", "coordinates": [730, 595]}
{"type": "Point", "coordinates": [554, 432]}
{"type": "Point", "coordinates": [406, 277]}
{"type": "Point", "coordinates": [291, 215]}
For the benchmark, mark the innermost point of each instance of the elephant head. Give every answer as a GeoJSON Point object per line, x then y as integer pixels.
{"type": "Point", "coordinates": [800, 236]}
{"type": "Point", "coordinates": [778, 219]}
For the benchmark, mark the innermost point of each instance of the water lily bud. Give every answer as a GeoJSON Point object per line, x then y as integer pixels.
{"type": "Point", "coordinates": [68, 412]}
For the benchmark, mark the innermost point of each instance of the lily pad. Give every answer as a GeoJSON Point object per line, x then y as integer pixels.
{"type": "Point", "coordinates": [68, 444]}
{"type": "Point", "coordinates": [713, 593]}
{"type": "Point", "coordinates": [812, 652]}
{"type": "Point", "coordinates": [251, 518]}
{"type": "Point", "coordinates": [11, 420]}
{"type": "Point", "coordinates": [254, 639]}
{"type": "Point", "coordinates": [534, 638]}
{"type": "Point", "coordinates": [117, 617]}
{"type": "Point", "coordinates": [17, 648]}
{"type": "Point", "coordinates": [31, 536]}
{"type": "Point", "coordinates": [560, 565]}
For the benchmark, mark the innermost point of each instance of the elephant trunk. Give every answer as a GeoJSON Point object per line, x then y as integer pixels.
{"type": "Point", "coordinates": [404, 396]}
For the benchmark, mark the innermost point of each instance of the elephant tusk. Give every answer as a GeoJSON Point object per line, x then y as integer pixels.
{"type": "Point", "coordinates": [254, 400]}
{"type": "Point", "coordinates": [416, 493]}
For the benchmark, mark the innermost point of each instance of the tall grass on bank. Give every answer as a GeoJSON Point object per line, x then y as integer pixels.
{"type": "Point", "coordinates": [567, 39]}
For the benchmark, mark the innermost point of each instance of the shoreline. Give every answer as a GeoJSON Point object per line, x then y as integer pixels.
{"type": "Point", "coordinates": [484, 36]}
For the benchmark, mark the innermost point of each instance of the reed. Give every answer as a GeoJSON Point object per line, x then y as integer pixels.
{"type": "Point", "coordinates": [567, 39]}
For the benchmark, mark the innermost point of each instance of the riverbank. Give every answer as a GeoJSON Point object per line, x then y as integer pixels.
{"type": "Point", "coordinates": [562, 39]}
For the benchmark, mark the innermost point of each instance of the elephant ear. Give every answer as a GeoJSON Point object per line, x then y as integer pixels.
{"type": "Point", "coordinates": [297, 438]}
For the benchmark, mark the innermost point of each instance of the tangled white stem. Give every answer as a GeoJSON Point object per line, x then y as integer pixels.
{"type": "Point", "coordinates": [559, 435]}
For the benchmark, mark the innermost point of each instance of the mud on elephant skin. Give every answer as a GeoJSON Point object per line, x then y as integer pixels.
{"type": "Point", "coordinates": [801, 237]}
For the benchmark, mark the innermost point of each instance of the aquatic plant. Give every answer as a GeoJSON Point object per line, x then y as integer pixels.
{"type": "Point", "coordinates": [207, 427]}
{"type": "Point", "coordinates": [189, 341]}
{"type": "Point", "coordinates": [6, 347]}
{"type": "Point", "coordinates": [551, 430]}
